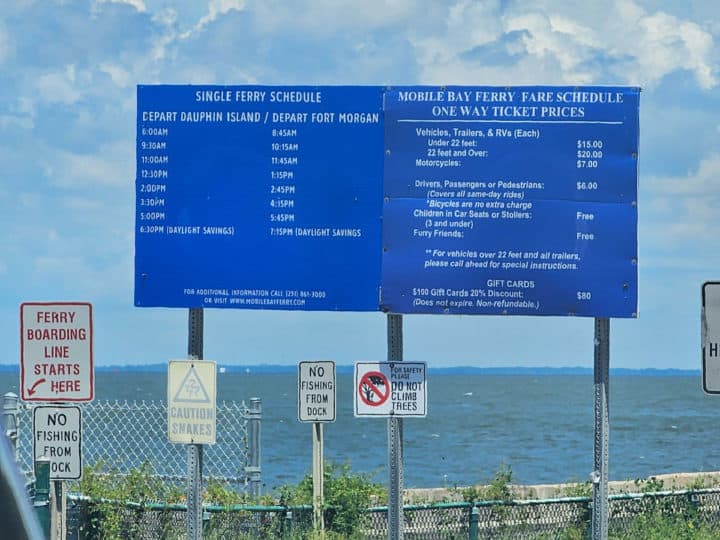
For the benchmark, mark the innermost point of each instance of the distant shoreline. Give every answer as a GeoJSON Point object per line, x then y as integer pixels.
{"type": "Point", "coordinates": [455, 370]}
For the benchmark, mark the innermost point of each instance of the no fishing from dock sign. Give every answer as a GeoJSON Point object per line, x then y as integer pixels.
{"type": "Point", "coordinates": [191, 402]}
{"type": "Point", "coordinates": [388, 389]}
{"type": "Point", "coordinates": [316, 391]}
{"type": "Point", "coordinates": [57, 435]}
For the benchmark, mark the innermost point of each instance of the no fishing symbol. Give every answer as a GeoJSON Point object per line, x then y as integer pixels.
{"type": "Point", "coordinates": [374, 388]}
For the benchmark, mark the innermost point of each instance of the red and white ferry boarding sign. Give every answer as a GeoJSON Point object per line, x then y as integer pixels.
{"type": "Point", "coordinates": [56, 351]}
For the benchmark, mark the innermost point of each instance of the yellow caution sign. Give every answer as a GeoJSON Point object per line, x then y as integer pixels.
{"type": "Point", "coordinates": [191, 407]}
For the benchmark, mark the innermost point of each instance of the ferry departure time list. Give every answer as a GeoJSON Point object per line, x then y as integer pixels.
{"type": "Point", "coordinates": [258, 197]}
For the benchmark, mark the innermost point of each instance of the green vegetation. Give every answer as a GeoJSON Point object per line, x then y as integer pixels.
{"type": "Point", "coordinates": [662, 514]}
{"type": "Point", "coordinates": [578, 489]}
{"type": "Point", "coordinates": [658, 526]}
{"type": "Point", "coordinates": [122, 505]}
{"type": "Point", "coordinates": [498, 489]}
{"type": "Point", "coordinates": [137, 504]}
{"type": "Point", "coordinates": [347, 496]}
{"type": "Point", "coordinates": [105, 519]}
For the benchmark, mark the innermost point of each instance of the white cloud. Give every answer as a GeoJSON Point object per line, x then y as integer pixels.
{"type": "Point", "coordinates": [81, 203]}
{"type": "Point", "coordinates": [139, 5]}
{"type": "Point", "coordinates": [684, 208]}
{"type": "Point", "coordinates": [60, 86]}
{"type": "Point", "coordinates": [52, 236]}
{"type": "Point", "coordinates": [119, 75]}
{"type": "Point", "coordinates": [534, 47]}
{"type": "Point", "coordinates": [466, 25]}
{"type": "Point", "coordinates": [558, 43]}
{"type": "Point", "coordinates": [558, 39]}
{"type": "Point", "coordinates": [4, 43]}
{"type": "Point", "coordinates": [112, 166]}
{"type": "Point", "coordinates": [165, 17]}
{"type": "Point", "coordinates": [216, 9]}
{"type": "Point", "coordinates": [318, 18]}
{"type": "Point", "coordinates": [666, 44]}
{"type": "Point", "coordinates": [703, 181]}
{"type": "Point", "coordinates": [10, 121]}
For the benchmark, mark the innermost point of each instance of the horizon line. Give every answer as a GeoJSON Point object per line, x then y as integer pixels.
{"type": "Point", "coordinates": [269, 367]}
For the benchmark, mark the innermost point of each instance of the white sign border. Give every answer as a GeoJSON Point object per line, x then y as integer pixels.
{"type": "Point", "coordinates": [334, 391]}
{"type": "Point", "coordinates": [91, 358]}
{"type": "Point", "coordinates": [79, 442]}
{"type": "Point", "coordinates": [172, 402]}
{"type": "Point", "coordinates": [391, 413]}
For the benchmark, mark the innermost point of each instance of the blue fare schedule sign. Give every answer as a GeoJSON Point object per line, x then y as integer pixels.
{"type": "Point", "coordinates": [259, 197]}
{"type": "Point", "coordinates": [519, 201]}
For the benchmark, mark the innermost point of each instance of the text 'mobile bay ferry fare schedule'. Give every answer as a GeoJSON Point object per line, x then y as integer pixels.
{"type": "Point", "coordinates": [511, 201]}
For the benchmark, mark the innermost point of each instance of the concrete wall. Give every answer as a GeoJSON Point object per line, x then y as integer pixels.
{"type": "Point", "coordinates": [675, 481]}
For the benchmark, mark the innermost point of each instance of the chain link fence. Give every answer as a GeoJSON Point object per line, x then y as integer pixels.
{"type": "Point", "coordinates": [127, 435]}
{"type": "Point", "coordinates": [567, 518]}
{"type": "Point", "coordinates": [124, 435]}
{"type": "Point", "coordinates": [544, 519]}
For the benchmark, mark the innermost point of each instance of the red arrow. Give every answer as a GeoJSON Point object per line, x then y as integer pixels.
{"type": "Point", "coordinates": [31, 391]}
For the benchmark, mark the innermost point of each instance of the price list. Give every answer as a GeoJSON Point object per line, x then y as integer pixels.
{"type": "Point", "coordinates": [259, 197]}
{"type": "Point", "coordinates": [511, 201]}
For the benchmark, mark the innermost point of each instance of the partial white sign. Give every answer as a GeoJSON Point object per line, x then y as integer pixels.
{"type": "Point", "coordinates": [710, 330]}
{"type": "Point", "coordinates": [56, 351]}
{"type": "Point", "coordinates": [316, 391]}
{"type": "Point", "coordinates": [191, 402]}
{"type": "Point", "coordinates": [390, 389]}
{"type": "Point", "coordinates": [57, 435]}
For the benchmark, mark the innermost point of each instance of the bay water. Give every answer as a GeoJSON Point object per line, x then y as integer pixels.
{"type": "Point", "coordinates": [540, 425]}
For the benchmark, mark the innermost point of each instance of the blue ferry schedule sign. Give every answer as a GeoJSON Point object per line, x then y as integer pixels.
{"type": "Point", "coordinates": [259, 197]}
{"type": "Point", "coordinates": [514, 200]}
{"type": "Point", "coordinates": [418, 199]}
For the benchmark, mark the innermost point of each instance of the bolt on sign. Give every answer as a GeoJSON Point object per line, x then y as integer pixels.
{"type": "Point", "coordinates": [390, 389]}
{"type": "Point", "coordinates": [56, 351]}
{"type": "Point", "coordinates": [191, 402]}
{"type": "Point", "coordinates": [710, 330]}
{"type": "Point", "coordinates": [57, 435]}
{"type": "Point", "coordinates": [316, 391]}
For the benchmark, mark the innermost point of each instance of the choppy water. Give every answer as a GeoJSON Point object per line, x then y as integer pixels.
{"type": "Point", "coordinates": [541, 426]}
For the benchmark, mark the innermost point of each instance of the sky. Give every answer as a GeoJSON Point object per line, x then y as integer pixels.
{"type": "Point", "coordinates": [68, 76]}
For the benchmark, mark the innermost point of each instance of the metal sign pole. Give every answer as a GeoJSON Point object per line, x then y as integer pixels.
{"type": "Point", "coordinates": [318, 477]}
{"type": "Point", "coordinates": [395, 439]}
{"type": "Point", "coordinates": [58, 510]}
{"type": "Point", "coordinates": [195, 451]}
{"type": "Point", "coordinates": [602, 430]}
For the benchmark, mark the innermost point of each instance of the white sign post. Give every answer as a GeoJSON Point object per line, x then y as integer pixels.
{"type": "Point", "coordinates": [316, 391]}
{"type": "Point", "coordinates": [316, 404]}
{"type": "Point", "coordinates": [388, 389]}
{"type": "Point", "coordinates": [57, 435]}
{"type": "Point", "coordinates": [191, 402]}
{"type": "Point", "coordinates": [711, 337]}
{"type": "Point", "coordinates": [56, 351]}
